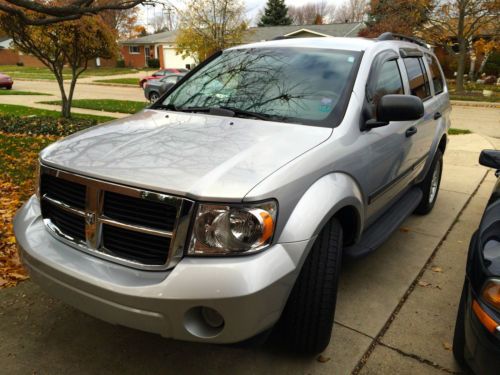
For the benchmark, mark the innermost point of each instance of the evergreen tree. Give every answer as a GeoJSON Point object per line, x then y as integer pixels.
{"type": "Point", "coordinates": [275, 14]}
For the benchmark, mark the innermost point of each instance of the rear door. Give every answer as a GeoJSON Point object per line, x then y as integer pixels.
{"type": "Point", "coordinates": [423, 129]}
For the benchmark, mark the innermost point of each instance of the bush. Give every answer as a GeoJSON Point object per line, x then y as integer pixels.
{"type": "Point", "coordinates": [153, 63]}
{"type": "Point", "coordinates": [120, 63]}
{"type": "Point", "coordinates": [19, 63]}
{"type": "Point", "coordinates": [43, 125]}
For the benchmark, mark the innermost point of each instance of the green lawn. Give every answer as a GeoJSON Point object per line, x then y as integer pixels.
{"type": "Point", "coordinates": [44, 73]}
{"type": "Point", "coordinates": [108, 105]}
{"type": "Point", "coordinates": [14, 92]}
{"type": "Point", "coordinates": [475, 97]}
{"type": "Point", "coordinates": [121, 81]}
{"type": "Point", "coordinates": [455, 131]}
{"type": "Point", "coordinates": [20, 111]}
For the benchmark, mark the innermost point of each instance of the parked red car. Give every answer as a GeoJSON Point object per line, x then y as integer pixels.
{"type": "Point", "coordinates": [6, 81]}
{"type": "Point", "coordinates": [160, 73]}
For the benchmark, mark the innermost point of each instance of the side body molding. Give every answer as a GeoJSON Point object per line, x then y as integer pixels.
{"type": "Point", "coordinates": [319, 204]}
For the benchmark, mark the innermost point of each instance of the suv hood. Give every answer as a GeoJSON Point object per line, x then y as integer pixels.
{"type": "Point", "coordinates": [194, 155]}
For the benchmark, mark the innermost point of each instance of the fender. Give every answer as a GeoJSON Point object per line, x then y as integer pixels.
{"type": "Point", "coordinates": [319, 204]}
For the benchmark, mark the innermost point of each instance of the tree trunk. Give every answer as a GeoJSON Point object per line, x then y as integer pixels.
{"type": "Point", "coordinates": [65, 107]}
{"type": "Point", "coordinates": [462, 52]}
{"type": "Point", "coordinates": [483, 63]}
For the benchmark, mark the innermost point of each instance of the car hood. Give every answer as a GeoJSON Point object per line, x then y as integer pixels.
{"type": "Point", "coordinates": [194, 155]}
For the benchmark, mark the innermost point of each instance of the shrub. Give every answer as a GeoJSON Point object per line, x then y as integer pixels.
{"type": "Point", "coordinates": [120, 63]}
{"type": "Point", "coordinates": [19, 63]}
{"type": "Point", "coordinates": [43, 125]}
{"type": "Point", "coordinates": [153, 63]}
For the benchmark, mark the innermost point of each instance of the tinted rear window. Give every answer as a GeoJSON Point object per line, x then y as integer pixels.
{"type": "Point", "coordinates": [419, 84]}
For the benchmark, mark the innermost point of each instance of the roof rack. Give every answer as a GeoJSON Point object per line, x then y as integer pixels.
{"type": "Point", "coordinates": [394, 36]}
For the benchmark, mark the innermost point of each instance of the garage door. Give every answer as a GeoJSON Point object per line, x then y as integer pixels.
{"type": "Point", "coordinates": [172, 60]}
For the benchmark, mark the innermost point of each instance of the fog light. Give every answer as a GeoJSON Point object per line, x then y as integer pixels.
{"type": "Point", "coordinates": [212, 317]}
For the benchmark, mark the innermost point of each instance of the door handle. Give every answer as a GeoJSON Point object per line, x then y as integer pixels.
{"type": "Point", "coordinates": [411, 131]}
{"type": "Point", "coordinates": [437, 115]}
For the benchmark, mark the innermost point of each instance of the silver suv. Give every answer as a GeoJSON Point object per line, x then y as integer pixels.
{"type": "Point", "coordinates": [227, 206]}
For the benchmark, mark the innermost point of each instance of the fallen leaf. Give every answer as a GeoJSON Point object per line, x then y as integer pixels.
{"type": "Point", "coordinates": [446, 345]}
{"type": "Point", "coordinates": [322, 358]}
{"type": "Point", "coordinates": [423, 283]}
{"type": "Point", "coordinates": [404, 229]}
{"type": "Point", "coordinates": [436, 269]}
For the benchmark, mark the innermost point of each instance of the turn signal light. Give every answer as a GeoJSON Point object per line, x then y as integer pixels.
{"type": "Point", "coordinates": [483, 317]}
{"type": "Point", "coordinates": [491, 293]}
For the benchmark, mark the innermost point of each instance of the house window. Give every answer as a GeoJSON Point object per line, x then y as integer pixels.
{"type": "Point", "coordinates": [134, 50]}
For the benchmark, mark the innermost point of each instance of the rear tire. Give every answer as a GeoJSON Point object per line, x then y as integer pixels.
{"type": "Point", "coordinates": [9, 87]}
{"type": "Point", "coordinates": [459, 334]}
{"type": "Point", "coordinates": [307, 319]}
{"type": "Point", "coordinates": [430, 185]}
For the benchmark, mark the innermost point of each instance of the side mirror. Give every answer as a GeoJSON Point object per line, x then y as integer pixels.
{"type": "Point", "coordinates": [396, 108]}
{"type": "Point", "coordinates": [490, 158]}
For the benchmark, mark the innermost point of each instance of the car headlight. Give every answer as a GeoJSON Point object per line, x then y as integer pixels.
{"type": "Point", "coordinates": [491, 293]}
{"type": "Point", "coordinates": [232, 229]}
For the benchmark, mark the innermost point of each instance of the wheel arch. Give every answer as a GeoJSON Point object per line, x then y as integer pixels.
{"type": "Point", "coordinates": [334, 195]}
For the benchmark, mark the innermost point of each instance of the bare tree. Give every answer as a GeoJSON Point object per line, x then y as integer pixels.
{"type": "Point", "coordinates": [462, 21]}
{"type": "Point", "coordinates": [310, 13]}
{"type": "Point", "coordinates": [351, 11]}
{"type": "Point", "coordinates": [46, 12]}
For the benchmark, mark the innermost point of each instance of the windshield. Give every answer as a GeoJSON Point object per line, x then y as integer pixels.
{"type": "Point", "coordinates": [294, 85]}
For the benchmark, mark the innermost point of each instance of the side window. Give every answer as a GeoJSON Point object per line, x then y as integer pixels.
{"type": "Point", "coordinates": [437, 78]}
{"type": "Point", "coordinates": [169, 79]}
{"type": "Point", "coordinates": [388, 81]}
{"type": "Point", "coordinates": [419, 84]}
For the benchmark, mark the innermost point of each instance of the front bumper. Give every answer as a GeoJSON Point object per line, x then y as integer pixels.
{"type": "Point", "coordinates": [249, 292]}
{"type": "Point", "coordinates": [482, 348]}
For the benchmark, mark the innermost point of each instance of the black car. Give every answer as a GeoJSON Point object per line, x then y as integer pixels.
{"type": "Point", "coordinates": [155, 88]}
{"type": "Point", "coordinates": [476, 343]}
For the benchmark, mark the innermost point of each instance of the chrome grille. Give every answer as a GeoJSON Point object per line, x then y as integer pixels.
{"type": "Point", "coordinates": [130, 226]}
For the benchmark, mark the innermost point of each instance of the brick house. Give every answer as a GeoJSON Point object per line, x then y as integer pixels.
{"type": "Point", "coordinates": [161, 46]}
{"type": "Point", "coordinates": [9, 56]}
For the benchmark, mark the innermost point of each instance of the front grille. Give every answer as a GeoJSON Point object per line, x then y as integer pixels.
{"type": "Point", "coordinates": [70, 224]}
{"type": "Point", "coordinates": [68, 192]}
{"type": "Point", "coordinates": [128, 244]}
{"type": "Point", "coordinates": [139, 211]}
{"type": "Point", "coordinates": [142, 229]}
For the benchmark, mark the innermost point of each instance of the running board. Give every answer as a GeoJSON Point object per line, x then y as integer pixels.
{"type": "Point", "coordinates": [382, 229]}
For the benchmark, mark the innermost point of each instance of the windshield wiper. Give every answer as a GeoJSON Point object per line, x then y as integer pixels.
{"type": "Point", "coordinates": [231, 112]}
{"type": "Point", "coordinates": [168, 107]}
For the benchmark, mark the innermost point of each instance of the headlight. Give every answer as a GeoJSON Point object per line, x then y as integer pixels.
{"type": "Point", "coordinates": [491, 293]}
{"type": "Point", "coordinates": [232, 229]}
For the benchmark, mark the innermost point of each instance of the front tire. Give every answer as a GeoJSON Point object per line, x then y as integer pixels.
{"type": "Point", "coordinates": [430, 185]}
{"type": "Point", "coordinates": [307, 319]}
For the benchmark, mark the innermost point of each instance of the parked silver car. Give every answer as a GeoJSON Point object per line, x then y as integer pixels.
{"type": "Point", "coordinates": [228, 205]}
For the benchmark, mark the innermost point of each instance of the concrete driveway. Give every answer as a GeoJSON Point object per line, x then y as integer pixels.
{"type": "Point", "coordinates": [395, 313]}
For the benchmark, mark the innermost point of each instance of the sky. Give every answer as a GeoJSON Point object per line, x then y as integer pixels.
{"type": "Point", "coordinates": [252, 7]}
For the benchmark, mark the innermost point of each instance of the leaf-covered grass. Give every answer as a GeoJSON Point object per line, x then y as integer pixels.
{"type": "Point", "coordinates": [107, 105]}
{"type": "Point", "coordinates": [121, 81]}
{"type": "Point", "coordinates": [471, 86]}
{"type": "Point", "coordinates": [23, 111]}
{"type": "Point", "coordinates": [455, 131]}
{"type": "Point", "coordinates": [14, 92]}
{"type": "Point", "coordinates": [44, 73]}
{"type": "Point", "coordinates": [43, 125]}
{"type": "Point", "coordinates": [18, 160]}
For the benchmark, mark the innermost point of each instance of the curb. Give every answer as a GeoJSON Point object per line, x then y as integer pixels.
{"type": "Point", "coordinates": [464, 103]}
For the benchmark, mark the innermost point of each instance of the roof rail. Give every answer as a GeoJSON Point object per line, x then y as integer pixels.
{"type": "Point", "coordinates": [394, 36]}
